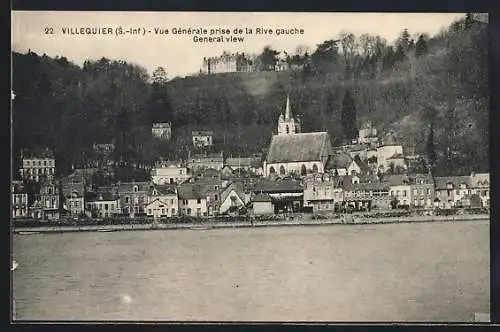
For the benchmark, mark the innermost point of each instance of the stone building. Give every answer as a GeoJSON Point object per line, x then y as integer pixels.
{"type": "Point", "coordinates": [162, 130]}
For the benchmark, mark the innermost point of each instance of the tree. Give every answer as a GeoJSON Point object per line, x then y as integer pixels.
{"type": "Point", "coordinates": [430, 147]}
{"type": "Point", "coordinates": [349, 117]}
{"type": "Point", "coordinates": [159, 76]}
{"type": "Point", "coordinates": [469, 20]}
{"type": "Point", "coordinates": [268, 59]}
{"type": "Point", "coordinates": [421, 46]}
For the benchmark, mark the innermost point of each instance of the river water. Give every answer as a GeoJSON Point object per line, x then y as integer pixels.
{"type": "Point", "coordinates": [397, 272]}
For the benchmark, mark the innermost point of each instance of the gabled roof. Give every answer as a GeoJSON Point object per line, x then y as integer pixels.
{"type": "Point", "coordinates": [298, 147]}
{"type": "Point", "coordinates": [269, 186]}
{"type": "Point", "coordinates": [190, 191]}
{"type": "Point", "coordinates": [129, 186]}
{"type": "Point", "coordinates": [96, 196]}
{"type": "Point", "coordinates": [163, 189]}
{"type": "Point", "coordinates": [441, 182]}
{"type": "Point", "coordinates": [338, 160]}
{"type": "Point", "coordinates": [397, 179]}
{"type": "Point", "coordinates": [233, 186]}
{"type": "Point", "coordinates": [202, 132]}
{"type": "Point", "coordinates": [480, 179]}
{"type": "Point", "coordinates": [262, 198]}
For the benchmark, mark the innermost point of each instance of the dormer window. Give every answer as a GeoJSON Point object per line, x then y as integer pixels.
{"type": "Point", "coordinates": [136, 189]}
{"type": "Point", "coordinates": [155, 193]}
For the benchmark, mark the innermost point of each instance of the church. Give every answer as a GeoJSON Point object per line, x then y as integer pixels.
{"type": "Point", "coordinates": [292, 151]}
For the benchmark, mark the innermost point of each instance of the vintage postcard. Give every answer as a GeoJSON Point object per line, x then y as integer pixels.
{"type": "Point", "coordinates": [153, 151]}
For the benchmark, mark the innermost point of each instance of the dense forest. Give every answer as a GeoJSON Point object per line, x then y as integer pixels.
{"type": "Point", "coordinates": [432, 91]}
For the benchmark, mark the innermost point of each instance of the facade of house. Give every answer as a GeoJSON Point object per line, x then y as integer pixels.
{"type": "Point", "coordinates": [203, 138]}
{"type": "Point", "coordinates": [165, 199]}
{"type": "Point", "coordinates": [452, 191]}
{"type": "Point", "coordinates": [19, 200]}
{"type": "Point", "coordinates": [399, 188]}
{"type": "Point", "coordinates": [169, 173]}
{"type": "Point", "coordinates": [133, 197]}
{"type": "Point", "coordinates": [247, 164]}
{"type": "Point", "coordinates": [287, 195]}
{"type": "Point", "coordinates": [49, 199]}
{"type": "Point", "coordinates": [231, 198]}
{"type": "Point", "coordinates": [396, 163]}
{"type": "Point", "coordinates": [422, 193]}
{"type": "Point", "coordinates": [73, 190]}
{"type": "Point", "coordinates": [162, 130]}
{"type": "Point", "coordinates": [228, 63]}
{"type": "Point", "coordinates": [104, 204]}
{"type": "Point", "coordinates": [38, 167]}
{"type": "Point", "coordinates": [322, 192]}
{"type": "Point", "coordinates": [480, 185]}
{"type": "Point", "coordinates": [367, 195]}
{"type": "Point", "coordinates": [262, 204]}
{"type": "Point", "coordinates": [201, 162]}
{"type": "Point", "coordinates": [192, 202]}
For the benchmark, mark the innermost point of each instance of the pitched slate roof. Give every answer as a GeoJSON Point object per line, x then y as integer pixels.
{"type": "Point", "coordinates": [202, 132]}
{"type": "Point", "coordinates": [163, 189]}
{"type": "Point", "coordinates": [397, 179]}
{"type": "Point", "coordinates": [190, 191]}
{"type": "Point", "coordinates": [262, 198]}
{"type": "Point", "coordinates": [480, 180]}
{"type": "Point", "coordinates": [338, 160]}
{"type": "Point", "coordinates": [266, 185]}
{"type": "Point", "coordinates": [129, 186]}
{"type": "Point", "coordinates": [298, 147]}
{"type": "Point", "coordinates": [96, 196]}
{"type": "Point", "coordinates": [442, 181]}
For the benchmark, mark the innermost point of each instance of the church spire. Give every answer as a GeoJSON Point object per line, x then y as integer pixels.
{"type": "Point", "coordinates": [288, 114]}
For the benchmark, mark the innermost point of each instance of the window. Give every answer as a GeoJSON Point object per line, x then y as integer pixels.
{"type": "Point", "coordinates": [272, 170]}
{"type": "Point", "coordinates": [287, 129]}
{"type": "Point", "coordinates": [215, 197]}
{"type": "Point", "coordinates": [428, 191]}
{"type": "Point", "coordinates": [457, 192]}
{"type": "Point", "coordinates": [198, 212]}
{"type": "Point", "coordinates": [188, 211]}
{"type": "Point", "coordinates": [404, 193]}
{"type": "Point", "coordinates": [180, 172]}
{"type": "Point", "coordinates": [303, 170]}
{"type": "Point", "coordinates": [45, 163]}
{"type": "Point", "coordinates": [198, 201]}
{"type": "Point", "coordinates": [149, 211]}
{"type": "Point", "coordinates": [162, 211]}
{"type": "Point", "coordinates": [315, 168]}
{"type": "Point", "coordinates": [282, 170]}
{"type": "Point", "coordinates": [173, 211]}
{"type": "Point", "coordinates": [106, 207]}
{"type": "Point", "coordinates": [172, 201]}
{"type": "Point", "coordinates": [136, 189]}
{"type": "Point", "coordinates": [127, 199]}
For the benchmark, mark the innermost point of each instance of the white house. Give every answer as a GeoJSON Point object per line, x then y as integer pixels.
{"type": "Point", "coordinates": [342, 164]}
{"type": "Point", "coordinates": [262, 204]}
{"type": "Point", "coordinates": [202, 138]}
{"type": "Point", "coordinates": [231, 197]}
{"type": "Point", "coordinates": [169, 173]}
{"type": "Point", "coordinates": [400, 188]}
{"type": "Point", "coordinates": [322, 192]}
{"type": "Point", "coordinates": [192, 202]}
{"type": "Point", "coordinates": [103, 204]}
{"type": "Point", "coordinates": [387, 151]}
{"type": "Point", "coordinates": [162, 201]}
{"type": "Point", "coordinates": [162, 130]}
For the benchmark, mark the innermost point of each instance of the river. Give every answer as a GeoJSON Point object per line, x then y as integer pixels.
{"type": "Point", "coordinates": [395, 272]}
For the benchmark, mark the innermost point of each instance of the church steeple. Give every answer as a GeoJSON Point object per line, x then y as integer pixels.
{"type": "Point", "coordinates": [287, 124]}
{"type": "Point", "coordinates": [288, 114]}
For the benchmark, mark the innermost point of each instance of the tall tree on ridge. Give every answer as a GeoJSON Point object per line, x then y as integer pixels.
{"type": "Point", "coordinates": [349, 117]}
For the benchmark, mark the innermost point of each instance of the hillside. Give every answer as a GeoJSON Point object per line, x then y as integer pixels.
{"type": "Point", "coordinates": [68, 108]}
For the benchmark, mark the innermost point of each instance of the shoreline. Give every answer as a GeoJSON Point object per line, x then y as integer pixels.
{"type": "Point", "coordinates": [247, 224]}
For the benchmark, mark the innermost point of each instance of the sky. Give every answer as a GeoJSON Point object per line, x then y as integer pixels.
{"type": "Point", "coordinates": [42, 32]}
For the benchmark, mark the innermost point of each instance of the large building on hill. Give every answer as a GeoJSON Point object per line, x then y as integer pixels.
{"type": "Point", "coordinates": [291, 151]}
{"type": "Point", "coordinates": [228, 63]}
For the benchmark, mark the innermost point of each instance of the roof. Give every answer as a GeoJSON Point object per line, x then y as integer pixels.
{"type": "Point", "coordinates": [100, 196]}
{"type": "Point", "coordinates": [277, 186]}
{"type": "Point", "coordinates": [298, 147]}
{"type": "Point", "coordinates": [480, 179]}
{"type": "Point", "coordinates": [397, 179]}
{"type": "Point", "coordinates": [129, 186]}
{"type": "Point", "coordinates": [397, 156]}
{"type": "Point", "coordinates": [243, 162]}
{"type": "Point", "coordinates": [262, 197]}
{"type": "Point", "coordinates": [367, 186]}
{"type": "Point", "coordinates": [238, 189]}
{"type": "Point", "coordinates": [441, 182]}
{"type": "Point", "coordinates": [338, 160]}
{"type": "Point", "coordinates": [202, 132]}
{"type": "Point", "coordinates": [163, 189]}
{"type": "Point", "coordinates": [190, 191]}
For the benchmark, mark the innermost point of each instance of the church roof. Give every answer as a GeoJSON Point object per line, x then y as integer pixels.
{"type": "Point", "coordinates": [298, 147]}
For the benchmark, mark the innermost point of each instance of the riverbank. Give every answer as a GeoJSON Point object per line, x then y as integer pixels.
{"type": "Point", "coordinates": [239, 224]}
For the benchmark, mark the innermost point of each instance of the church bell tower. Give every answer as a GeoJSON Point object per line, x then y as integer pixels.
{"type": "Point", "coordinates": [287, 124]}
